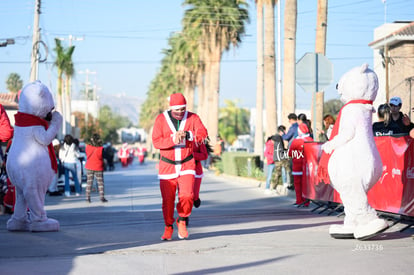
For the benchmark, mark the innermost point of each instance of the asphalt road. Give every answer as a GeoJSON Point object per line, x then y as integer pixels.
{"type": "Point", "coordinates": [237, 230]}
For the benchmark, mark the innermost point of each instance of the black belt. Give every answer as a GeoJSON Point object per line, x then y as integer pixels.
{"type": "Point", "coordinates": [176, 162]}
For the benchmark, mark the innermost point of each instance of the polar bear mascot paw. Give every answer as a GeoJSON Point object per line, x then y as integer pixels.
{"type": "Point", "coordinates": [31, 163]}
{"type": "Point", "coordinates": [354, 164]}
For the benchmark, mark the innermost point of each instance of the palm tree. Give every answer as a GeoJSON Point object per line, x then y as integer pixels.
{"type": "Point", "coordinates": [69, 71]}
{"type": "Point", "coordinates": [65, 67]}
{"type": "Point", "coordinates": [233, 121]}
{"type": "Point", "coordinates": [60, 65]}
{"type": "Point", "coordinates": [289, 66]}
{"type": "Point", "coordinates": [258, 137]}
{"type": "Point", "coordinates": [270, 66]}
{"type": "Point", "coordinates": [184, 57]}
{"type": "Point", "coordinates": [221, 23]}
{"type": "Point", "coordinates": [14, 83]}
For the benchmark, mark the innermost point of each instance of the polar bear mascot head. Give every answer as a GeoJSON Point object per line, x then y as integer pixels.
{"type": "Point", "coordinates": [31, 163]}
{"type": "Point", "coordinates": [358, 83]}
{"type": "Point", "coordinates": [353, 161]}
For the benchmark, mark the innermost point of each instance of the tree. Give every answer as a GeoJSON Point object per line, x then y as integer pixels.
{"type": "Point", "coordinates": [69, 71]}
{"type": "Point", "coordinates": [60, 64]}
{"type": "Point", "coordinates": [332, 107]}
{"type": "Point", "coordinates": [65, 67]}
{"type": "Point", "coordinates": [270, 66]}
{"type": "Point", "coordinates": [221, 23]}
{"type": "Point", "coordinates": [14, 83]}
{"type": "Point", "coordinates": [109, 123]}
{"type": "Point", "coordinates": [234, 121]}
{"type": "Point", "coordinates": [289, 66]}
{"type": "Point", "coordinates": [258, 136]}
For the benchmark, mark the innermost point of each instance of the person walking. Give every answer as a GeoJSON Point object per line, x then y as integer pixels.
{"type": "Point", "coordinates": [200, 152]}
{"type": "Point", "coordinates": [94, 167]}
{"type": "Point", "coordinates": [123, 154]}
{"type": "Point", "coordinates": [69, 154]}
{"type": "Point", "coordinates": [175, 132]}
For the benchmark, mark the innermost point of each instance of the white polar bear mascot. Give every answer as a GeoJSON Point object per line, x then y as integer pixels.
{"type": "Point", "coordinates": [354, 165]}
{"type": "Point", "coordinates": [31, 163]}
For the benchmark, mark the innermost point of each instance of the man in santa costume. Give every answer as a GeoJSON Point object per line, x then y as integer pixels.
{"type": "Point", "coordinates": [123, 154]}
{"type": "Point", "coordinates": [175, 133]}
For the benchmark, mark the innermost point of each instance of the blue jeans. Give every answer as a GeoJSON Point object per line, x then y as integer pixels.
{"type": "Point", "coordinates": [71, 167]}
{"type": "Point", "coordinates": [270, 168]}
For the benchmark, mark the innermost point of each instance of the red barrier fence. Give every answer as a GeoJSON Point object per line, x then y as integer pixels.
{"type": "Point", "coordinates": [393, 193]}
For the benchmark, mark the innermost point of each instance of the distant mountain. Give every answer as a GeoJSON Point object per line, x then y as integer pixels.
{"type": "Point", "coordinates": [123, 105]}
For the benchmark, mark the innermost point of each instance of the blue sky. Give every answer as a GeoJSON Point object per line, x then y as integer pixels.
{"type": "Point", "coordinates": [123, 40]}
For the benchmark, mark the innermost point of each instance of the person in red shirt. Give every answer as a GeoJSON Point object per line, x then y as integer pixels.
{"type": "Point", "coordinates": [296, 153]}
{"type": "Point", "coordinates": [200, 153]}
{"type": "Point", "coordinates": [6, 131]}
{"type": "Point", "coordinates": [94, 167]}
{"type": "Point", "coordinates": [175, 133]}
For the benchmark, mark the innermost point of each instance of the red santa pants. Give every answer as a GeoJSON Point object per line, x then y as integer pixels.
{"type": "Point", "coordinates": [124, 162]}
{"type": "Point", "coordinates": [297, 181]}
{"type": "Point", "coordinates": [185, 185]}
{"type": "Point", "coordinates": [197, 184]}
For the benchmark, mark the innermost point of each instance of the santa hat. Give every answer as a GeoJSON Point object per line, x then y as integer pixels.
{"type": "Point", "coordinates": [177, 101]}
{"type": "Point", "coordinates": [55, 142]}
{"type": "Point", "coordinates": [303, 128]}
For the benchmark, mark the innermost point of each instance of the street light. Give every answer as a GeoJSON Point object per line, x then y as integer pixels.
{"type": "Point", "coordinates": [9, 41]}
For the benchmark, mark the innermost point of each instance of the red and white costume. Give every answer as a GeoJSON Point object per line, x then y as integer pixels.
{"type": "Point", "coordinates": [140, 153]}
{"type": "Point", "coordinates": [200, 153]}
{"type": "Point", "coordinates": [177, 164]}
{"type": "Point", "coordinates": [296, 153]}
{"type": "Point", "coordinates": [123, 154]}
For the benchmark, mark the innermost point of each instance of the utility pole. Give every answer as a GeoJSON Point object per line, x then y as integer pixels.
{"type": "Point", "coordinates": [409, 81]}
{"type": "Point", "coordinates": [35, 43]}
{"type": "Point", "coordinates": [320, 47]}
{"type": "Point", "coordinates": [87, 73]}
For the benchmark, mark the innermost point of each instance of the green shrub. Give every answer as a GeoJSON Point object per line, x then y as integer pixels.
{"type": "Point", "coordinates": [241, 164]}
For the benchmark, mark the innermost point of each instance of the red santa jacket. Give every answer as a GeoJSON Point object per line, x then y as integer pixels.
{"type": "Point", "coordinates": [296, 153]}
{"type": "Point", "coordinates": [177, 159]}
{"type": "Point", "coordinates": [200, 153]}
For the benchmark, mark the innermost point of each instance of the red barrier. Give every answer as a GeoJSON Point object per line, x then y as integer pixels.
{"type": "Point", "coordinates": [393, 193]}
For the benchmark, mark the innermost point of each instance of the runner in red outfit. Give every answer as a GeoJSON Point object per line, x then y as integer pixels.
{"type": "Point", "coordinates": [200, 153]}
{"type": "Point", "coordinates": [175, 133]}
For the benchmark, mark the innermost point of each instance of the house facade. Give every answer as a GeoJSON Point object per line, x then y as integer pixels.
{"type": "Point", "coordinates": [393, 47]}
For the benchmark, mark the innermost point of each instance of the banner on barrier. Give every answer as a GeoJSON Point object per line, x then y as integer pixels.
{"type": "Point", "coordinates": [393, 193]}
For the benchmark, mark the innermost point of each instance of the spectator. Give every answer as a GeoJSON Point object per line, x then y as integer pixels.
{"type": "Point", "coordinates": [94, 167]}
{"type": "Point", "coordinates": [303, 119]}
{"type": "Point", "coordinates": [277, 159]}
{"type": "Point", "coordinates": [53, 189]}
{"type": "Point", "coordinates": [293, 129]}
{"type": "Point", "coordinates": [296, 153]}
{"type": "Point", "coordinates": [6, 131]}
{"type": "Point", "coordinates": [398, 119]}
{"type": "Point", "coordinates": [69, 155]}
{"type": "Point", "coordinates": [109, 154]}
{"type": "Point", "coordinates": [384, 127]}
{"type": "Point", "coordinates": [328, 123]}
